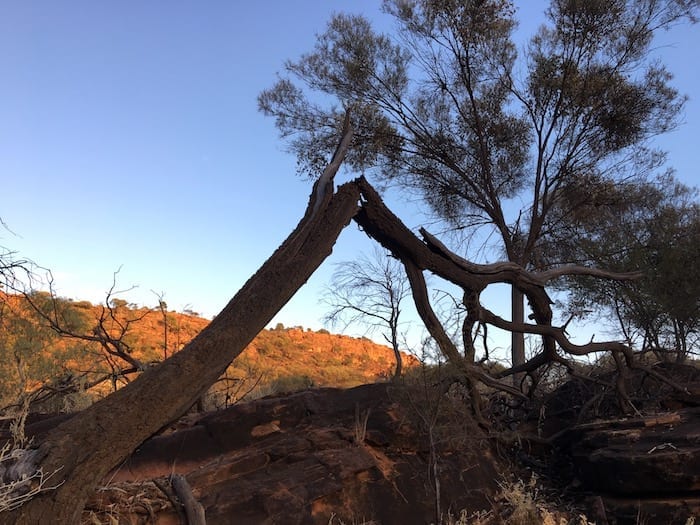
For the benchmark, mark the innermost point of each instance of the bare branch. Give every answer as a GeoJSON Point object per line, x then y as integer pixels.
{"type": "Point", "coordinates": [501, 271]}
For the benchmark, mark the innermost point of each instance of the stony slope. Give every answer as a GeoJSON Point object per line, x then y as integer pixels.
{"type": "Point", "coordinates": [309, 358]}
{"type": "Point", "coordinates": [372, 454]}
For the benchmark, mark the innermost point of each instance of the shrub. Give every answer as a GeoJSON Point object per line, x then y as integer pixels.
{"type": "Point", "coordinates": [293, 383]}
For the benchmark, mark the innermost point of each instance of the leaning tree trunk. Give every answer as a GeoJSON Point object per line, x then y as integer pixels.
{"type": "Point", "coordinates": [83, 449]}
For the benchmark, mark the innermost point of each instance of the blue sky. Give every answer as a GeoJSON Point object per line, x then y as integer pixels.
{"type": "Point", "coordinates": [130, 138]}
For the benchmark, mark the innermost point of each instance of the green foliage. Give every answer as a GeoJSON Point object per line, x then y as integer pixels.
{"type": "Point", "coordinates": [291, 383]}
{"type": "Point", "coordinates": [655, 229]}
{"type": "Point", "coordinates": [121, 303]}
{"type": "Point", "coordinates": [276, 343]}
{"type": "Point", "coordinates": [440, 108]}
{"type": "Point", "coordinates": [25, 339]}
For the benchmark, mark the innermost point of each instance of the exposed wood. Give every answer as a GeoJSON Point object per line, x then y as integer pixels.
{"type": "Point", "coordinates": [506, 271]}
{"type": "Point", "coordinates": [575, 269]}
{"type": "Point", "coordinates": [193, 508]}
{"type": "Point", "coordinates": [672, 418]}
{"type": "Point", "coordinates": [555, 332]}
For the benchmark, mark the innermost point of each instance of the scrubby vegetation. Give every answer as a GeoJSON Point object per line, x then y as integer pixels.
{"type": "Point", "coordinates": [59, 355]}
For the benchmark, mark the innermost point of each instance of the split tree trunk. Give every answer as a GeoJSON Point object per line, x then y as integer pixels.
{"type": "Point", "coordinates": [85, 448]}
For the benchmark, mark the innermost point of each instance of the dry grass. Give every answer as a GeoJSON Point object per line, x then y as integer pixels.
{"type": "Point", "coordinates": [135, 503]}
{"type": "Point", "coordinates": [335, 520]}
{"type": "Point", "coordinates": [480, 517]}
{"type": "Point", "coordinates": [360, 427]}
{"type": "Point", "coordinates": [519, 503]}
{"type": "Point", "coordinates": [524, 504]}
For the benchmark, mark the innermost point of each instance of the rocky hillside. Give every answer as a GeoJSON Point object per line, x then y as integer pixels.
{"type": "Point", "coordinates": [409, 452]}
{"type": "Point", "coordinates": [286, 360]}
{"type": "Point", "coordinates": [278, 360]}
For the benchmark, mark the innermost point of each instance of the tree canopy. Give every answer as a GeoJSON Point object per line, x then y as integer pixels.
{"type": "Point", "coordinates": [655, 229]}
{"type": "Point", "coordinates": [490, 137]}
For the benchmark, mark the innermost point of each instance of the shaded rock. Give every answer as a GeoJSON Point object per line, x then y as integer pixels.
{"type": "Point", "coordinates": [302, 458]}
{"type": "Point", "coordinates": [645, 467]}
{"type": "Point", "coordinates": [363, 455]}
{"type": "Point", "coordinates": [669, 511]}
{"type": "Point", "coordinates": [649, 457]}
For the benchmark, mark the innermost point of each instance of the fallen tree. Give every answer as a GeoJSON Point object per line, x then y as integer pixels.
{"type": "Point", "coordinates": [82, 450]}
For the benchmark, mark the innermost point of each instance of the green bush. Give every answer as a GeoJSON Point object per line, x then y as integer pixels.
{"type": "Point", "coordinates": [292, 383]}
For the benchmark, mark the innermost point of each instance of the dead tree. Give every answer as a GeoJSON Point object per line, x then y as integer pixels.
{"type": "Point", "coordinates": [83, 449]}
{"type": "Point", "coordinates": [370, 291]}
{"type": "Point", "coordinates": [108, 334]}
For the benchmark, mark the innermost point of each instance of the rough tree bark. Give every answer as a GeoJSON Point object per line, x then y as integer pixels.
{"type": "Point", "coordinates": [86, 447]}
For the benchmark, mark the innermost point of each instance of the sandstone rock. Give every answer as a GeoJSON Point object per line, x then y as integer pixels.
{"type": "Point", "coordinates": [299, 460]}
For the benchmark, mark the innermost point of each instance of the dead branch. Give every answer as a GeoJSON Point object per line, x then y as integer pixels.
{"type": "Point", "coordinates": [504, 271]}
{"type": "Point", "coordinates": [556, 333]}
{"type": "Point", "coordinates": [193, 508]}
{"type": "Point", "coordinates": [430, 254]}
{"type": "Point", "coordinates": [575, 269]}
{"type": "Point", "coordinates": [447, 347]}
{"type": "Point", "coordinates": [109, 331]}
{"type": "Point", "coordinates": [672, 418]}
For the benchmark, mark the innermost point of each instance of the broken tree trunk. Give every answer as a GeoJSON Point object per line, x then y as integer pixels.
{"type": "Point", "coordinates": [430, 254]}
{"type": "Point", "coordinates": [83, 449]}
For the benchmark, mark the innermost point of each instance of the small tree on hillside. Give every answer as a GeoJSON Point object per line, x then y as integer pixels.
{"type": "Point", "coordinates": [23, 337]}
{"type": "Point", "coordinates": [370, 291]}
{"type": "Point", "coordinates": [107, 336]}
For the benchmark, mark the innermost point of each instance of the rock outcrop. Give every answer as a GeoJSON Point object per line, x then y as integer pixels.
{"type": "Point", "coordinates": [373, 453]}
{"type": "Point", "coordinates": [642, 469]}
{"type": "Point", "coordinates": [353, 455]}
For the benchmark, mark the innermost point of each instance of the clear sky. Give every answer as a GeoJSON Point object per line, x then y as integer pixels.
{"type": "Point", "coordinates": [130, 138]}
